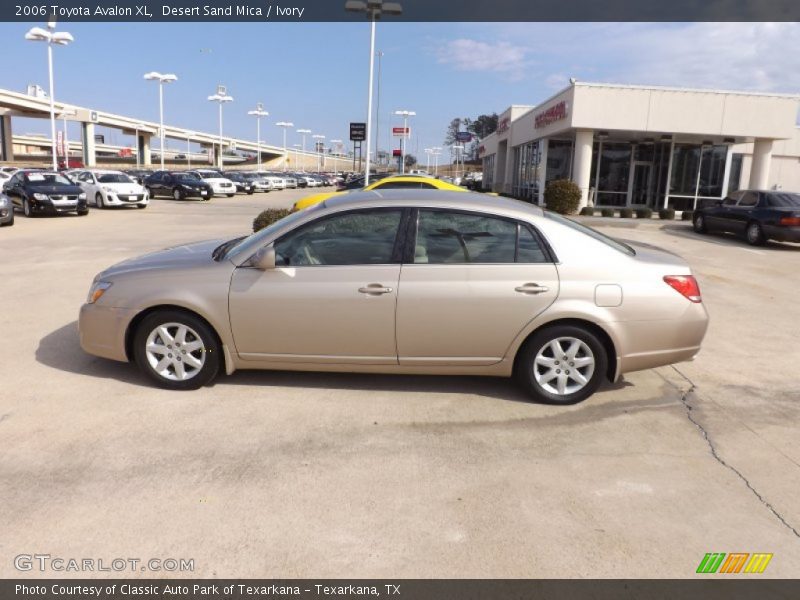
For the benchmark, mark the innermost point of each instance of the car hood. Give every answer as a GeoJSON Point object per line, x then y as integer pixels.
{"type": "Point", "coordinates": [185, 255]}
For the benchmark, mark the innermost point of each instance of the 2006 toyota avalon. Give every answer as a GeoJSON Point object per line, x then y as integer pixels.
{"type": "Point", "coordinates": [403, 281]}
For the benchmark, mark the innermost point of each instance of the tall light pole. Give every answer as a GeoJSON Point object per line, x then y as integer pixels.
{"type": "Point", "coordinates": [285, 125]}
{"type": "Point", "coordinates": [303, 132]}
{"type": "Point", "coordinates": [296, 146]}
{"type": "Point", "coordinates": [379, 54]}
{"type": "Point", "coordinates": [338, 143]}
{"type": "Point", "coordinates": [61, 38]}
{"type": "Point", "coordinates": [436, 151]}
{"type": "Point", "coordinates": [405, 114]}
{"type": "Point", "coordinates": [162, 79]}
{"type": "Point", "coordinates": [428, 152]}
{"type": "Point", "coordinates": [258, 113]}
{"type": "Point", "coordinates": [221, 97]}
{"type": "Point", "coordinates": [373, 9]}
{"type": "Point", "coordinates": [318, 148]}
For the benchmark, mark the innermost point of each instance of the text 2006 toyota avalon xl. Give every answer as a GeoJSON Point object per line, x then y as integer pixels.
{"type": "Point", "coordinates": [417, 282]}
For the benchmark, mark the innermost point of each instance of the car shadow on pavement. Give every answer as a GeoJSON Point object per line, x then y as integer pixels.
{"type": "Point", "coordinates": [61, 350]}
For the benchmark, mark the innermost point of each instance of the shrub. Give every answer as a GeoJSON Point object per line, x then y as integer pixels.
{"type": "Point", "coordinates": [644, 213]}
{"type": "Point", "coordinates": [562, 196]}
{"type": "Point", "coordinates": [587, 211]}
{"type": "Point", "coordinates": [607, 212]}
{"type": "Point", "coordinates": [268, 217]}
{"type": "Point", "coordinates": [626, 213]}
{"type": "Point", "coordinates": [666, 214]}
{"type": "Point", "coordinates": [687, 215]}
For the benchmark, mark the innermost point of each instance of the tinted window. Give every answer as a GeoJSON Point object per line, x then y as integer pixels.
{"type": "Point", "coordinates": [47, 179]}
{"type": "Point", "coordinates": [779, 200]}
{"type": "Point", "coordinates": [529, 250]}
{"type": "Point", "coordinates": [113, 178]}
{"type": "Point", "coordinates": [355, 238]}
{"type": "Point", "coordinates": [749, 199]}
{"type": "Point", "coordinates": [445, 237]}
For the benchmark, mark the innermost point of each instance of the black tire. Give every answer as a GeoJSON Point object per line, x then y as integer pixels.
{"type": "Point", "coordinates": [26, 208]}
{"type": "Point", "coordinates": [177, 194]}
{"type": "Point", "coordinates": [755, 234]}
{"type": "Point", "coordinates": [231, 195]}
{"type": "Point", "coordinates": [98, 200]}
{"type": "Point", "coordinates": [699, 223]}
{"type": "Point", "coordinates": [10, 222]}
{"type": "Point", "coordinates": [151, 192]}
{"type": "Point", "coordinates": [82, 213]}
{"type": "Point", "coordinates": [251, 191]}
{"type": "Point", "coordinates": [211, 349]}
{"type": "Point", "coordinates": [525, 366]}
{"type": "Point", "coordinates": [141, 206]}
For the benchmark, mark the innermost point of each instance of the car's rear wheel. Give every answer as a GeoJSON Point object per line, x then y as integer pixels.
{"type": "Point", "coordinates": [563, 364]}
{"type": "Point", "coordinates": [151, 192]}
{"type": "Point", "coordinates": [177, 350]}
{"type": "Point", "coordinates": [755, 234]}
{"type": "Point", "coordinates": [98, 200]}
{"type": "Point", "coordinates": [699, 223]}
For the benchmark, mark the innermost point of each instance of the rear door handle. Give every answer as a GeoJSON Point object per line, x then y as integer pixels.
{"type": "Point", "coordinates": [375, 289]}
{"type": "Point", "coordinates": [531, 288]}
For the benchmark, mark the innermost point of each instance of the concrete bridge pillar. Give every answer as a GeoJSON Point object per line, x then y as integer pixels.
{"type": "Point", "coordinates": [89, 154]}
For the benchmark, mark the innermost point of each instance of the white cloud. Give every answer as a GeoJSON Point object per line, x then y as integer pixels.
{"type": "Point", "coordinates": [473, 55]}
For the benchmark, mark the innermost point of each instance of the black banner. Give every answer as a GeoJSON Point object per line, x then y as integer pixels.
{"type": "Point", "coordinates": [708, 588]}
{"type": "Point", "coordinates": [412, 10]}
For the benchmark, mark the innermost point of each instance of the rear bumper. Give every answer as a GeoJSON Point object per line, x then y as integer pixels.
{"type": "Point", "coordinates": [782, 234]}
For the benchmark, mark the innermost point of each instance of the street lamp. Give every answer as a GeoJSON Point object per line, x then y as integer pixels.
{"type": "Point", "coordinates": [303, 132]}
{"type": "Point", "coordinates": [436, 151]}
{"type": "Point", "coordinates": [319, 145]}
{"type": "Point", "coordinates": [373, 9]}
{"type": "Point", "coordinates": [162, 79]}
{"type": "Point", "coordinates": [338, 143]}
{"type": "Point", "coordinates": [379, 54]}
{"type": "Point", "coordinates": [258, 113]}
{"type": "Point", "coordinates": [221, 97]}
{"type": "Point", "coordinates": [405, 114]}
{"type": "Point", "coordinates": [286, 125]}
{"type": "Point", "coordinates": [428, 152]}
{"type": "Point", "coordinates": [62, 38]}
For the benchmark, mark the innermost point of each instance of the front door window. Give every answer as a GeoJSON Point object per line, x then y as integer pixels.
{"type": "Point", "coordinates": [641, 190]}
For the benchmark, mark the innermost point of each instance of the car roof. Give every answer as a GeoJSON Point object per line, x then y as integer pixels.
{"type": "Point", "coordinates": [434, 198]}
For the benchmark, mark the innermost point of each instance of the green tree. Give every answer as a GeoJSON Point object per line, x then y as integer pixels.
{"type": "Point", "coordinates": [411, 160]}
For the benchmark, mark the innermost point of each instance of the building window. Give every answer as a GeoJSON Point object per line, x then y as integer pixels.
{"type": "Point", "coordinates": [526, 171]}
{"type": "Point", "coordinates": [735, 178]}
{"type": "Point", "coordinates": [612, 175]}
{"type": "Point", "coordinates": [559, 160]}
{"type": "Point", "coordinates": [697, 172]}
{"type": "Point", "coordinates": [488, 171]}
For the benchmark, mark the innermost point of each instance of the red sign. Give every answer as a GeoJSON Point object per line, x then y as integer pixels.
{"type": "Point", "coordinates": [481, 149]}
{"type": "Point", "coordinates": [502, 126]}
{"type": "Point", "coordinates": [551, 115]}
{"type": "Point", "coordinates": [401, 131]}
{"type": "Point", "coordinates": [397, 152]}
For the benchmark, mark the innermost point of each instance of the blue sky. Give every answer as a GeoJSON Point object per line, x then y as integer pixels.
{"type": "Point", "coordinates": [315, 74]}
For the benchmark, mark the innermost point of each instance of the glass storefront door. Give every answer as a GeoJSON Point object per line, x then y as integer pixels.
{"type": "Point", "coordinates": [640, 192]}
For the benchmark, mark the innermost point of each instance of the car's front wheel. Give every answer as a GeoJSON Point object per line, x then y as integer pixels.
{"type": "Point", "coordinates": [699, 223]}
{"type": "Point", "coordinates": [98, 200]}
{"type": "Point", "coordinates": [26, 208]}
{"type": "Point", "coordinates": [755, 234]}
{"type": "Point", "coordinates": [177, 194]}
{"type": "Point", "coordinates": [177, 350]}
{"type": "Point", "coordinates": [563, 364]}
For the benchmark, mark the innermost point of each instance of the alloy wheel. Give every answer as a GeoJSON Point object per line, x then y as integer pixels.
{"type": "Point", "coordinates": [175, 351]}
{"type": "Point", "coordinates": [564, 366]}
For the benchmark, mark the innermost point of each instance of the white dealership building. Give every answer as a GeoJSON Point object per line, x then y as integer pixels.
{"type": "Point", "coordinates": [635, 146]}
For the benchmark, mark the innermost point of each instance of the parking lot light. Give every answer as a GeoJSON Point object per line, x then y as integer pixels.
{"type": "Point", "coordinates": [221, 97]}
{"type": "Point", "coordinates": [373, 9]}
{"type": "Point", "coordinates": [285, 125]}
{"type": "Point", "coordinates": [319, 145]}
{"type": "Point", "coordinates": [258, 113]}
{"type": "Point", "coordinates": [61, 38]}
{"type": "Point", "coordinates": [303, 132]}
{"type": "Point", "coordinates": [162, 79]}
{"type": "Point", "coordinates": [405, 114]}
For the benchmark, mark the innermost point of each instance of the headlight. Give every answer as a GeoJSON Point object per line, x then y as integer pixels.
{"type": "Point", "coordinates": [97, 290]}
{"type": "Point", "coordinates": [3, 201]}
{"type": "Point", "coordinates": [38, 196]}
{"type": "Point", "coordinates": [81, 196]}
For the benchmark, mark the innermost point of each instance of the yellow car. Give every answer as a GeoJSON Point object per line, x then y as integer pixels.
{"type": "Point", "coordinates": [387, 183]}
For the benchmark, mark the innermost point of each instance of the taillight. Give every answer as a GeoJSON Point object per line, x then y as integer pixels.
{"type": "Point", "coordinates": [790, 221]}
{"type": "Point", "coordinates": [686, 285]}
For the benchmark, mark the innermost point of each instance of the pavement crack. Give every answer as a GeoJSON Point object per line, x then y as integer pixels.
{"type": "Point", "coordinates": [684, 397]}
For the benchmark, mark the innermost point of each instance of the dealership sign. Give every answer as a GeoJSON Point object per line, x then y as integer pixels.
{"type": "Point", "coordinates": [401, 131]}
{"type": "Point", "coordinates": [463, 136]}
{"type": "Point", "coordinates": [555, 113]}
{"type": "Point", "coordinates": [502, 126]}
{"type": "Point", "coordinates": [358, 132]}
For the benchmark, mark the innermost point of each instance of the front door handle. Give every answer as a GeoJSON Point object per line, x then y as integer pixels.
{"type": "Point", "coordinates": [531, 288]}
{"type": "Point", "coordinates": [375, 289]}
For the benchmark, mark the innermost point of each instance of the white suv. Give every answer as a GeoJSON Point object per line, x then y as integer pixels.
{"type": "Point", "coordinates": [221, 185]}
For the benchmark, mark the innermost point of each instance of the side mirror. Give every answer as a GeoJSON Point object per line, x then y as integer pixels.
{"type": "Point", "coordinates": [264, 259]}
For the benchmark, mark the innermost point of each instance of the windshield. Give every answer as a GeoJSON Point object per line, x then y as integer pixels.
{"type": "Point", "coordinates": [784, 200]}
{"type": "Point", "coordinates": [187, 178]}
{"type": "Point", "coordinates": [608, 241]}
{"type": "Point", "coordinates": [114, 178]}
{"type": "Point", "coordinates": [252, 242]}
{"type": "Point", "coordinates": [47, 179]}
{"type": "Point", "coordinates": [209, 174]}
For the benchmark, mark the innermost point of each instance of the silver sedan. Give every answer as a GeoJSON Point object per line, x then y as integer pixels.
{"type": "Point", "coordinates": [403, 281]}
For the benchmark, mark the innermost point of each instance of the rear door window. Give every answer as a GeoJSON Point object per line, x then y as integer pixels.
{"type": "Point", "coordinates": [449, 237]}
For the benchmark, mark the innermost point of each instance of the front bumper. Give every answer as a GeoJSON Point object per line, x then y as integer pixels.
{"type": "Point", "coordinates": [102, 330]}
{"type": "Point", "coordinates": [47, 207]}
{"type": "Point", "coordinates": [223, 191]}
{"type": "Point", "coordinates": [114, 199]}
